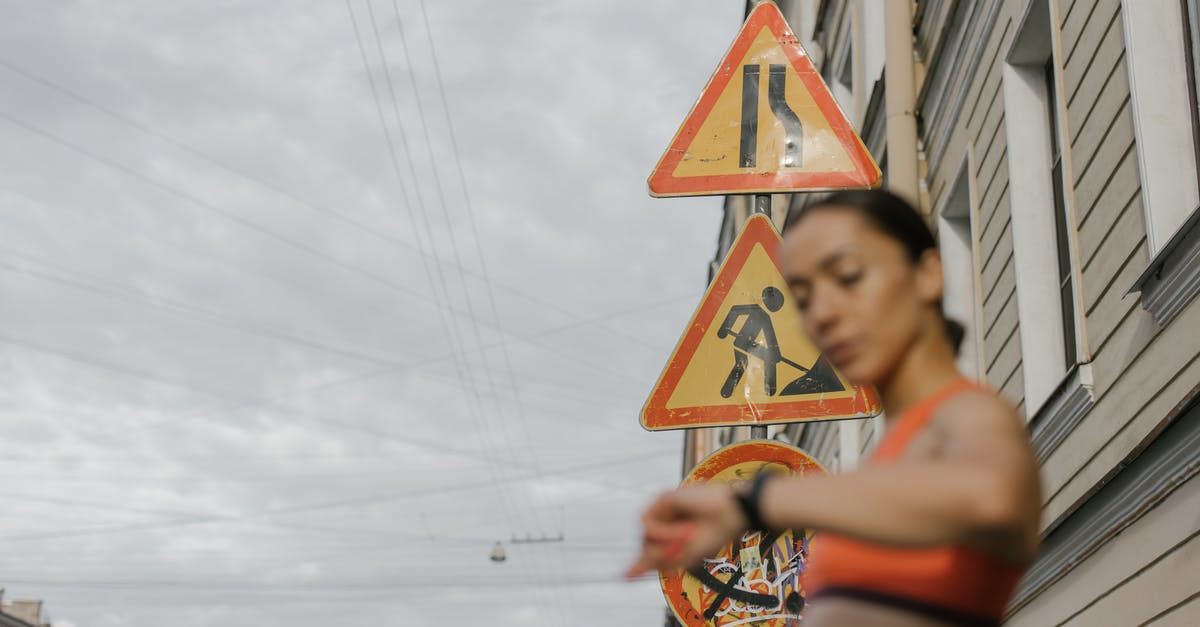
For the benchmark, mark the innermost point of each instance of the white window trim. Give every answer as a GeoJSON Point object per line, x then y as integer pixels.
{"type": "Point", "coordinates": [840, 58]}
{"type": "Point", "coordinates": [1035, 246]}
{"type": "Point", "coordinates": [858, 62]}
{"type": "Point", "coordinates": [1162, 112]}
{"type": "Point", "coordinates": [848, 443]}
{"type": "Point", "coordinates": [1172, 279]}
{"type": "Point", "coordinates": [843, 57]}
{"type": "Point", "coordinates": [960, 260]}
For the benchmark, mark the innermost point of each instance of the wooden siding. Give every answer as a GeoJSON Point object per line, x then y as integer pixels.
{"type": "Point", "coordinates": [1158, 550]}
{"type": "Point", "coordinates": [1140, 371]}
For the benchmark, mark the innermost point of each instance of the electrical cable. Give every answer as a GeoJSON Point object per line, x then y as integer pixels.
{"type": "Point", "coordinates": [333, 214]}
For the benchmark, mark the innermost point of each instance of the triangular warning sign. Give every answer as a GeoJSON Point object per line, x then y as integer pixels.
{"type": "Point", "coordinates": [744, 358]}
{"type": "Point", "coordinates": [765, 122]}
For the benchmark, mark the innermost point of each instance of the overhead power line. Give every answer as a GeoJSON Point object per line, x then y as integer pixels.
{"type": "Point", "coordinates": [333, 214]}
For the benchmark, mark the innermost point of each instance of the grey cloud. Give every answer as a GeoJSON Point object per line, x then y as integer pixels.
{"type": "Point", "coordinates": [202, 423]}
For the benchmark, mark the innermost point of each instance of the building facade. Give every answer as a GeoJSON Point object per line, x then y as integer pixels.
{"type": "Point", "coordinates": [22, 613]}
{"type": "Point", "coordinates": [1056, 151]}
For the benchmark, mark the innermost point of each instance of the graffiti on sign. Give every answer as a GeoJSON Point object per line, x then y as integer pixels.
{"type": "Point", "coordinates": [757, 578]}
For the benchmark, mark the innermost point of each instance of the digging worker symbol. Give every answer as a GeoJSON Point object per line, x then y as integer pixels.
{"type": "Point", "coordinates": [756, 338]}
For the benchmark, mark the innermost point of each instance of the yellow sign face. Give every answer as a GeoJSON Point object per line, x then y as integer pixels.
{"type": "Point", "coordinates": [765, 122]}
{"type": "Point", "coordinates": [744, 358]}
{"type": "Point", "coordinates": [716, 148]}
{"type": "Point", "coordinates": [758, 319]}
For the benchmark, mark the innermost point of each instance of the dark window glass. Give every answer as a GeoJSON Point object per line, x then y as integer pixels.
{"type": "Point", "coordinates": [1191, 14]}
{"type": "Point", "coordinates": [1065, 287]}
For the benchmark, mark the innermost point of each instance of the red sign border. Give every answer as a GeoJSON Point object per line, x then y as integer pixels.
{"type": "Point", "coordinates": [656, 416]}
{"type": "Point", "coordinates": [707, 468]}
{"type": "Point", "coordinates": [866, 173]}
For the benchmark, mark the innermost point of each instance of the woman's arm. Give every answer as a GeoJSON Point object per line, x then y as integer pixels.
{"type": "Point", "coordinates": [979, 488]}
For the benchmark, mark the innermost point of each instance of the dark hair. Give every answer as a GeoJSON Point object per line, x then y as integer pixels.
{"type": "Point", "coordinates": [894, 217]}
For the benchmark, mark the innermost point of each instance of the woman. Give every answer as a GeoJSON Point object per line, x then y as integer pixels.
{"type": "Point", "coordinates": [938, 526]}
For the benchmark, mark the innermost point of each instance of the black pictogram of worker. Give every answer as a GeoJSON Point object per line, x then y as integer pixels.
{"type": "Point", "coordinates": [756, 338]}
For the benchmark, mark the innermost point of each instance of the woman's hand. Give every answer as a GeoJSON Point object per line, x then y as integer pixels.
{"type": "Point", "coordinates": [687, 525]}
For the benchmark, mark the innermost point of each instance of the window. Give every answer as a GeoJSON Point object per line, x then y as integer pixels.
{"type": "Point", "coordinates": [1042, 226]}
{"type": "Point", "coordinates": [1162, 49]}
{"type": "Point", "coordinates": [1066, 295]}
{"type": "Point", "coordinates": [1192, 9]}
{"type": "Point", "coordinates": [838, 70]}
{"type": "Point", "coordinates": [845, 62]}
{"type": "Point", "coordinates": [1162, 71]}
{"type": "Point", "coordinates": [956, 242]}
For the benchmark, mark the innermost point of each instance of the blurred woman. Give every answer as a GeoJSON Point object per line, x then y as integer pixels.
{"type": "Point", "coordinates": [938, 526]}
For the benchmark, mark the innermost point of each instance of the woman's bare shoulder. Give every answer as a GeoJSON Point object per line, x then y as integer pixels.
{"type": "Point", "coordinates": [980, 409]}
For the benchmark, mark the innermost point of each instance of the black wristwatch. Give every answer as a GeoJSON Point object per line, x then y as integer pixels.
{"type": "Point", "coordinates": [750, 500]}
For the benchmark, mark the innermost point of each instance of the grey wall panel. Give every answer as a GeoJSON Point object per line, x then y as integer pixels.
{"type": "Point", "coordinates": [990, 147]}
{"type": "Point", "coordinates": [1004, 323]}
{"type": "Point", "coordinates": [991, 232]}
{"type": "Point", "coordinates": [1085, 115]}
{"type": "Point", "coordinates": [1106, 143]}
{"type": "Point", "coordinates": [1125, 235]}
{"type": "Point", "coordinates": [1005, 361]}
{"type": "Point", "coordinates": [1114, 306]}
{"type": "Point", "coordinates": [1082, 13]}
{"type": "Point", "coordinates": [998, 295]}
{"type": "Point", "coordinates": [990, 107]}
{"type": "Point", "coordinates": [1118, 181]}
{"type": "Point", "coordinates": [1014, 389]}
{"type": "Point", "coordinates": [1101, 44]}
{"type": "Point", "coordinates": [994, 199]}
{"type": "Point", "coordinates": [995, 260]}
{"type": "Point", "coordinates": [1099, 233]}
{"type": "Point", "coordinates": [1096, 121]}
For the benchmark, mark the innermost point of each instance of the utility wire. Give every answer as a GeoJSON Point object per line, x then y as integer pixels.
{"type": "Point", "coordinates": [420, 208]}
{"type": "Point", "coordinates": [228, 215]}
{"type": "Point", "coordinates": [454, 246]}
{"type": "Point", "coordinates": [89, 475]}
{"type": "Point", "coordinates": [112, 290]}
{"type": "Point", "coordinates": [177, 383]}
{"type": "Point", "coordinates": [331, 213]}
{"type": "Point", "coordinates": [504, 497]}
{"type": "Point", "coordinates": [250, 225]}
{"type": "Point", "coordinates": [496, 320]}
{"type": "Point", "coordinates": [455, 152]}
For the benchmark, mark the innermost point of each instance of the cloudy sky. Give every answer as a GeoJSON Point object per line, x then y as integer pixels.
{"type": "Point", "coordinates": [284, 344]}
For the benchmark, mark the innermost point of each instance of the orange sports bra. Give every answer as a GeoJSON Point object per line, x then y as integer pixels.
{"type": "Point", "coordinates": [956, 584]}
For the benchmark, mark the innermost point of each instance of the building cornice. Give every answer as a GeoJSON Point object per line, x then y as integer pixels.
{"type": "Point", "coordinates": [941, 126]}
{"type": "Point", "coordinates": [1137, 486]}
{"type": "Point", "coordinates": [1063, 411]}
{"type": "Point", "coordinates": [1172, 279]}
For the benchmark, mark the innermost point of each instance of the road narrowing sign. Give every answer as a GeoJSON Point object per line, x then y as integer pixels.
{"type": "Point", "coordinates": [765, 122]}
{"type": "Point", "coordinates": [744, 359]}
{"type": "Point", "coordinates": [758, 578]}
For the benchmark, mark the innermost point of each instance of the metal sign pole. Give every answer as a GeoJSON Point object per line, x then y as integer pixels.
{"type": "Point", "coordinates": [760, 203]}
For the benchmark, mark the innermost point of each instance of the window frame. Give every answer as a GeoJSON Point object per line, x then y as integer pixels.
{"type": "Point", "coordinates": [1167, 159]}
{"type": "Point", "coordinates": [1028, 107]}
{"type": "Point", "coordinates": [962, 296]}
{"type": "Point", "coordinates": [1062, 230]}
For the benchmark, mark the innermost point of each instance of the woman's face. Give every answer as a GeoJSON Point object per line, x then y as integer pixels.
{"type": "Point", "coordinates": [861, 300]}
